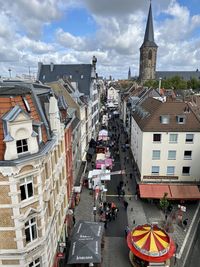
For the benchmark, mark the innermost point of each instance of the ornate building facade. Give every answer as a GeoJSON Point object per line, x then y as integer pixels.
{"type": "Point", "coordinates": [33, 182]}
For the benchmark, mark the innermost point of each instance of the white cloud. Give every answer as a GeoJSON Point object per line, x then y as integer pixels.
{"type": "Point", "coordinates": [67, 40]}
{"type": "Point", "coordinates": [116, 43]}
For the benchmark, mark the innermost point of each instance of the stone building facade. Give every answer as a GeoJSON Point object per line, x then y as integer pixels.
{"type": "Point", "coordinates": [148, 52]}
{"type": "Point", "coordinates": [33, 199]}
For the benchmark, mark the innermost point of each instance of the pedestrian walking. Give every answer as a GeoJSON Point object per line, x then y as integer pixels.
{"type": "Point", "coordinates": [131, 175]}
{"type": "Point", "coordinates": [105, 224]}
{"type": "Point", "coordinates": [74, 220]}
{"type": "Point", "coordinates": [127, 230]}
{"type": "Point", "coordinates": [125, 204]}
{"type": "Point", "coordinates": [133, 221]}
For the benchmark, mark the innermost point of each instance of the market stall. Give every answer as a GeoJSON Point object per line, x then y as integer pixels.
{"type": "Point", "coordinates": [150, 244]}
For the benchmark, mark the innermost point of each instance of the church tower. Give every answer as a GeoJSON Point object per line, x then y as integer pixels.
{"type": "Point", "coordinates": [148, 52]}
{"type": "Point", "coordinates": [129, 73]}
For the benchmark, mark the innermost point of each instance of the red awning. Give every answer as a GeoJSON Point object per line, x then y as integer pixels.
{"type": "Point", "coordinates": [187, 192]}
{"type": "Point", "coordinates": [156, 191]}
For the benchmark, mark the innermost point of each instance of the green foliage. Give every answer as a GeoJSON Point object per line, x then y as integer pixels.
{"type": "Point", "coordinates": [175, 82]}
{"type": "Point", "coordinates": [164, 203]}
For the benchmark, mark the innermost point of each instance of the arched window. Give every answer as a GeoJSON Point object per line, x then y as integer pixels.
{"type": "Point", "coordinates": [150, 55]}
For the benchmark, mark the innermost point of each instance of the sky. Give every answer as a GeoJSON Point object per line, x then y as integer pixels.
{"type": "Point", "coordinates": [72, 31]}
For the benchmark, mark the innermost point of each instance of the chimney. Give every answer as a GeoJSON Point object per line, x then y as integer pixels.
{"type": "Point", "coordinates": [51, 66]}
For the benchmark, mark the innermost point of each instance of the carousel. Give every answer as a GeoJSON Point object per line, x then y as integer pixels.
{"type": "Point", "coordinates": [150, 245]}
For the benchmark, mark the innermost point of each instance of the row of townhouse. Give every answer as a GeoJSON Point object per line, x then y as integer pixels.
{"type": "Point", "coordinates": [84, 79]}
{"type": "Point", "coordinates": [34, 188]}
{"type": "Point", "coordinates": [44, 135]}
{"type": "Point", "coordinates": [164, 136]}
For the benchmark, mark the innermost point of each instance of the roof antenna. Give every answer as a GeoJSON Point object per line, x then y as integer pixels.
{"type": "Point", "coordinates": [9, 70]}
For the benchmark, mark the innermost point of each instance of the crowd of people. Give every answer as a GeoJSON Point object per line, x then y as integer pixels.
{"type": "Point", "coordinates": [107, 212]}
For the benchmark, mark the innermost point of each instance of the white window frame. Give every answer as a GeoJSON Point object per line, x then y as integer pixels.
{"type": "Point", "coordinates": [187, 157]}
{"type": "Point", "coordinates": [24, 182]}
{"type": "Point", "coordinates": [155, 172]}
{"type": "Point", "coordinates": [170, 157]}
{"type": "Point", "coordinates": [22, 146]}
{"type": "Point", "coordinates": [192, 141]}
{"type": "Point", "coordinates": [170, 173]}
{"type": "Point", "coordinates": [31, 225]}
{"type": "Point", "coordinates": [35, 263]}
{"type": "Point", "coordinates": [154, 156]}
{"type": "Point", "coordinates": [171, 137]}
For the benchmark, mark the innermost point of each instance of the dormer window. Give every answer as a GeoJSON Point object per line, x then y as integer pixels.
{"type": "Point", "coordinates": [180, 119]}
{"type": "Point", "coordinates": [164, 119]}
{"type": "Point", "coordinates": [22, 146]}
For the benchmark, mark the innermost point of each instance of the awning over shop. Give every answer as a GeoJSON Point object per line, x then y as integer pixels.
{"type": "Point", "coordinates": [154, 190]}
{"type": "Point", "coordinates": [86, 243]}
{"type": "Point", "coordinates": [188, 192]}
{"type": "Point", "coordinates": [174, 191]}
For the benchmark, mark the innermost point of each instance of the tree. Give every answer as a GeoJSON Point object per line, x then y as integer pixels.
{"type": "Point", "coordinates": [164, 203]}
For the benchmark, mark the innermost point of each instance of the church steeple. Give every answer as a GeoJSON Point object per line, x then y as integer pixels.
{"type": "Point", "coordinates": [129, 73]}
{"type": "Point", "coordinates": [148, 52]}
{"type": "Point", "coordinates": [149, 32]}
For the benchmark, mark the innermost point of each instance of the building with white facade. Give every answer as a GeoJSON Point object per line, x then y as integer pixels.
{"type": "Point", "coordinates": [165, 141]}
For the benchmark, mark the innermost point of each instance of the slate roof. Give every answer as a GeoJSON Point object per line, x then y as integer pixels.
{"type": "Point", "coordinates": [149, 32]}
{"type": "Point", "coordinates": [148, 116]}
{"type": "Point", "coordinates": [80, 73]}
{"type": "Point", "coordinates": [12, 96]}
{"type": "Point", "coordinates": [186, 75]}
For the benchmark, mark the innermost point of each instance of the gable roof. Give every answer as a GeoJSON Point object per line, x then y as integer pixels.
{"type": "Point", "coordinates": [148, 115]}
{"type": "Point", "coordinates": [80, 73]}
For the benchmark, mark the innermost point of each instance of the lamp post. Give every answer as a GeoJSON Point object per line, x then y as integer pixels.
{"type": "Point", "coordinates": [159, 85]}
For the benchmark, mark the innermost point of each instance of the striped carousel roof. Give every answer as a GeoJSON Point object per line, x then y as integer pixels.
{"type": "Point", "coordinates": [150, 240]}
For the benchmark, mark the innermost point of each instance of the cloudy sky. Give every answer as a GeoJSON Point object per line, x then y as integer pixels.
{"type": "Point", "coordinates": [72, 31]}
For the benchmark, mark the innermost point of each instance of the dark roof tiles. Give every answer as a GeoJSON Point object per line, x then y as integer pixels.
{"type": "Point", "coordinates": [148, 114]}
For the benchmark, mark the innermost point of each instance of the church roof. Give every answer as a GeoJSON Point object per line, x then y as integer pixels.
{"type": "Point", "coordinates": [149, 32]}
{"type": "Point", "coordinates": [185, 75]}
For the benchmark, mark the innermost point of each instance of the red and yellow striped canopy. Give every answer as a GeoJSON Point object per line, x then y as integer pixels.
{"type": "Point", "coordinates": [150, 240]}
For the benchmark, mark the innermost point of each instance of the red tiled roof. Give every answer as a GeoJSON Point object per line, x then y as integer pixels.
{"type": "Point", "coordinates": [6, 104]}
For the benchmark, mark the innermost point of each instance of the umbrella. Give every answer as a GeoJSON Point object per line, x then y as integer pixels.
{"type": "Point", "coordinates": [150, 243]}
{"type": "Point", "coordinates": [86, 243]}
{"type": "Point", "coordinates": [87, 229]}
{"type": "Point", "coordinates": [84, 252]}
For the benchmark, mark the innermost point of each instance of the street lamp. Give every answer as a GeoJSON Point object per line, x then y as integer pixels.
{"type": "Point", "coordinates": [159, 85]}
